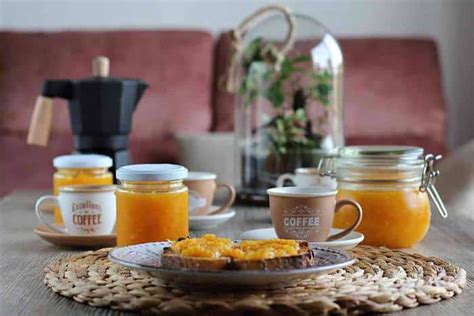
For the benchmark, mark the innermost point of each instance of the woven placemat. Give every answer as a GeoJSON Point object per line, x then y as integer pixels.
{"type": "Point", "coordinates": [381, 280]}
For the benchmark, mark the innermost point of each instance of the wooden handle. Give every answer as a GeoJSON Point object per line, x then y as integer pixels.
{"type": "Point", "coordinates": [101, 66]}
{"type": "Point", "coordinates": [40, 124]}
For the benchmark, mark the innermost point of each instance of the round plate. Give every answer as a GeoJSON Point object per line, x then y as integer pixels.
{"type": "Point", "coordinates": [75, 241]}
{"type": "Point", "coordinates": [346, 242]}
{"type": "Point", "coordinates": [208, 221]}
{"type": "Point", "coordinates": [148, 257]}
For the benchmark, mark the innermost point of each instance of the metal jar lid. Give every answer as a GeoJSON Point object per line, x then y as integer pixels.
{"type": "Point", "coordinates": [381, 152]}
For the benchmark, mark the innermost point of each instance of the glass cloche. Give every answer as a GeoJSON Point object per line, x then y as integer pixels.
{"type": "Point", "coordinates": [287, 79]}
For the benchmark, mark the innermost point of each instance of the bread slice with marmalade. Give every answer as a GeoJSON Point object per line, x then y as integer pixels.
{"type": "Point", "coordinates": [212, 253]}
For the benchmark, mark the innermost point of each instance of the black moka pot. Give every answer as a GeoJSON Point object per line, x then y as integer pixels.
{"type": "Point", "coordinates": [100, 109]}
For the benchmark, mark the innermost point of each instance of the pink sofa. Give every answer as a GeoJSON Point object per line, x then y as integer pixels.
{"type": "Point", "coordinates": [392, 92]}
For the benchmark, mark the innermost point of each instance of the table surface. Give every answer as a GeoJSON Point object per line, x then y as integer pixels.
{"type": "Point", "coordinates": [23, 255]}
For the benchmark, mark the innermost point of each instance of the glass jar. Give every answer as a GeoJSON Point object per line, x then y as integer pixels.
{"type": "Point", "coordinates": [393, 185]}
{"type": "Point", "coordinates": [152, 203]}
{"type": "Point", "coordinates": [288, 97]}
{"type": "Point", "coordinates": [80, 169]}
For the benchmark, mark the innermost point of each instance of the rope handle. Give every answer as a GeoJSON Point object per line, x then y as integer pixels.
{"type": "Point", "coordinates": [230, 84]}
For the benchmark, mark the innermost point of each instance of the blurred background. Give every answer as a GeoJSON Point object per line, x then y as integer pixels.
{"type": "Point", "coordinates": [35, 47]}
{"type": "Point", "coordinates": [449, 22]}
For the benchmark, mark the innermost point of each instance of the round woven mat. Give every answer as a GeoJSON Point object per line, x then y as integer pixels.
{"type": "Point", "coordinates": [381, 280]}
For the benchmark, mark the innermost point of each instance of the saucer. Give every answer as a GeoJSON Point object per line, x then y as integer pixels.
{"type": "Point", "coordinates": [75, 241]}
{"type": "Point", "coordinates": [201, 222]}
{"type": "Point", "coordinates": [347, 242]}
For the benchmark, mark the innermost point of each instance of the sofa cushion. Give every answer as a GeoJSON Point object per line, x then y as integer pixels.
{"type": "Point", "coordinates": [177, 65]}
{"type": "Point", "coordinates": [28, 167]}
{"type": "Point", "coordinates": [392, 93]}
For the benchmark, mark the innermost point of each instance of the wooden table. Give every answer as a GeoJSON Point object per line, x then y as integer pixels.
{"type": "Point", "coordinates": [23, 256]}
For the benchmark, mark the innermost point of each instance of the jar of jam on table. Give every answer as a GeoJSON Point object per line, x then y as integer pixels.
{"type": "Point", "coordinates": [88, 169]}
{"type": "Point", "coordinates": [152, 203]}
{"type": "Point", "coordinates": [393, 184]}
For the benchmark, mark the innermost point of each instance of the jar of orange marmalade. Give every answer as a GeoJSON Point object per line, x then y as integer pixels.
{"type": "Point", "coordinates": [393, 185]}
{"type": "Point", "coordinates": [89, 169]}
{"type": "Point", "coordinates": [152, 203]}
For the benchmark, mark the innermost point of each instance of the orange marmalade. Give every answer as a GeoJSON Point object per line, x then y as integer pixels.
{"type": "Point", "coordinates": [391, 183]}
{"type": "Point", "coordinates": [80, 169]}
{"type": "Point", "coordinates": [152, 204]}
{"type": "Point", "coordinates": [395, 218]}
{"type": "Point", "coordinates": [211, 246]}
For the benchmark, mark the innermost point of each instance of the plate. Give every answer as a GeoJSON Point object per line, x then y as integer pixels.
{"type": "Point", "coordinates": [202, 222]}
{"type": "Point", "coordinates": [148, 257]}
{"type": "Point", "coordinates": [347, 242]}
{"type": "Point", "coordinates": [75, 241]}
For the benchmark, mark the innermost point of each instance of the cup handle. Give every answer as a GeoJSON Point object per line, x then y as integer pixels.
{"type": "Point", "coordinates": [356, 223]}
{"type": "Point", "coordinates": [230, 198]}
{"type": "Point", "coordinates": [286, 176]}
{"type": "Point", "coordinates": [40, 215]}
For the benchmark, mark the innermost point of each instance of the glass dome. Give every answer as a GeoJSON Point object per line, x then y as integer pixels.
{"type": "Point", "coordinates": [288, 104]}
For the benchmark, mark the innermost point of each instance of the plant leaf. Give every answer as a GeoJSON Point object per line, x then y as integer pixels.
{"type": "Point", "coordinates": [286, 67]}
{"type": "Point", "coordinates": [275, 93]}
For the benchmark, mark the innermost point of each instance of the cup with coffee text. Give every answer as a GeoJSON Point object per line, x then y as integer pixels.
{"type": "Point", "coordinates": [85, 209]}
{"type": "Point", "coordinates": [306, 213]}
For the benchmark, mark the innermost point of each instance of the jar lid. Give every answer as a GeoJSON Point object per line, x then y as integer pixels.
{"type": "Point", "coordinates": [382, 152]}
{"type": "Point", "coordinates": [375, 163]}
{"type": "Point", "coordinates": [200, 175]}
{"type": "Point", "coordinates": [152, 172]}
{"type": "Point", "coordinates": [82, 161]}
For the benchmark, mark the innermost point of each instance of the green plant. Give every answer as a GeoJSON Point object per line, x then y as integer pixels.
{"type": "Point", "coordinates": [288, 90]}
{"type": "Point", "coordinates": [289, 132]}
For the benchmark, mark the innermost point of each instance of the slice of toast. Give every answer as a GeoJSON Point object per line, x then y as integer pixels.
{"type": "Point", "coordinates": [171, 260]}
{"type": "Point", "coordinates": [304, 259]}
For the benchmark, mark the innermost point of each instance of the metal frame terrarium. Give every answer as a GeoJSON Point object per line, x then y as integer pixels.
{"type": "Point", "coordinates": [286, 74]}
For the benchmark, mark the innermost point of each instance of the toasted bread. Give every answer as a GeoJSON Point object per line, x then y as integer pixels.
{"type": "Point", "coordinates": [301, 261]}
{"type": "Point", "coordinates": [172, 259]}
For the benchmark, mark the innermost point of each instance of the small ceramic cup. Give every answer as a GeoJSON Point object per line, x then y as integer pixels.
{"type": "Point", "coordinates": [202, 187]}
{"type": "Point", "coordinates": [306, 213]}
{"type": "Point", "coordinates": [85, 209]}
{"type": "Point", "coordinates": [305, 177]}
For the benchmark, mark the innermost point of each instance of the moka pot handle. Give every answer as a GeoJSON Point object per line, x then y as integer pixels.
{"type": "Point", "coordinates": [41, 120]}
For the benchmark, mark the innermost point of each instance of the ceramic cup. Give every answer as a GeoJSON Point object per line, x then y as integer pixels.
{"type": "Point", "coordinates": [305, 177]}
{"type": "Point", "coordinates": [306, 213]}
{"type": "Point", "coordinates": [202, 187]}
{"type": "Point", "coordinates": [85, 209]}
